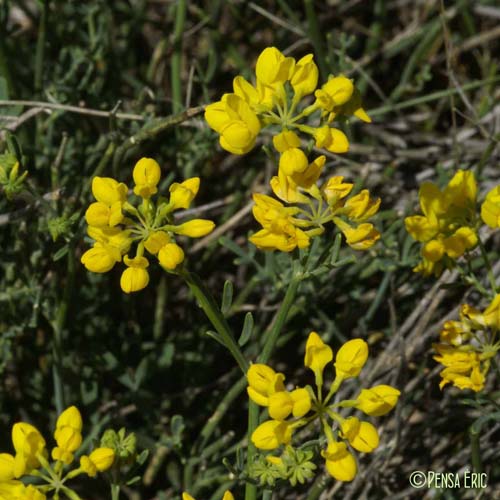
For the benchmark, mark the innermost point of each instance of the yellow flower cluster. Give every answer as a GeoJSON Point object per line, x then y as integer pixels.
{"type": "Point", "coordinates": [449, 225]}
{"type": "Point", "coordinates": [277, 99]}
{"type": "Point", "coordinates": [227, 496]}
{"type": "Point", "coordinates": [304, 405]}
{"type": "Point", "coordinates": [467, 346]}
{"type": "Point", "coordinates": [31, 459]}
{"type": "Point", "coordinates": [114, 224]}
{"type": "Point", "coordinates": [306, 208]}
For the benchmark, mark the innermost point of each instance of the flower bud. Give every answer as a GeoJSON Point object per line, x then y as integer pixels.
{"type": "Point", "coordinates": [170, 256]}
{"type": "Point", "coordinates": [195, 228]}
{"type": "Point", "coordinates": [351, 358]}
{"type": "Point", "coordinates": [378, 400]}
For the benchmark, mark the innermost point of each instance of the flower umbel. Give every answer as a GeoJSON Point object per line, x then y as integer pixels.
{"type": "Point", "coordinates": [468, 346]}
{"type": "Point", "coordinates": [116, 224]}
{"type": "Point", "coordinates": [291, 410]}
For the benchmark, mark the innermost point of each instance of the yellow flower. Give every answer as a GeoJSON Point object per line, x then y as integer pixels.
{"type": "Point", "coordinates": [317, 356]}
{"type": "Point", "coordinates": [340, 463]}
{"type": "Point", "coordinates": [361, 207]}
{"type": "Point", "coordinates": [284, 403]}
{"type": "Point", "coordinates": [108, 190]}
{"type": "Point", "coordinates": [351, 358]}
{"type": "Point", "coordinates": [263, 381]}
{"type": "Point", "coordinates": [247, 92]}
{"type": "Point", "coordinates": [7, 466]}
{"type": "Point", "coordinates": [146, 176]}
{"type": "Point", "coordinates": [99, 214]}
{"type": "Point", "coordinates": [362, 436]}
{"type": "Point", "coordinates": [236, 123]}
{"type": "Point", "coordinates": [461, 191]}
{"type": "Point", "coordinates": [464, 238]}
{"type": "Point", "coordinates": [273, 67]}
{"type": "Point", "coordinates": [170, 256]}
{"type": "Point", "coordinates": [182, 194]}
{"type": "Point", "coordinates": [156, 241]}
{"type": "Point", "coordinates": [28, 443]}
{"type": "Point", "coordinates": [271, 434]}
{"type": "Point", "coordinates": [100, 258]}
{"type": "Point", "coordinates": [378, 400]}
{"type": "Point", "coordinates": [113, 237]}
{"type": "Point", "coordinates": [335, 189]}
{"type": "Point", "coordinates": [15, 490]}
{"type": "Point", "coordinates": [352, 107]}
{"type": "Point", "coordinates": [490, 208]}
{"type": "Point", "coordinates": [337, 91]}
{"type": "Point", "coordinates": [304, 78]}
{"type": "Point", "coordinates": [293, 161]}
{"type": "Point", "coordinates": [100, 460]}
{"type": "Point", "coordinates": [195, 228]}
{"type": "Point", "coordinates": [227, 496]}
{"type": "Point", "coordinates": [331, 139]}
{"type": "Point", "coordinates": [491, 314]}
{"type": "Point", "coordinates": [359, 238]}
{"type": "Point", "coordinates": [280, 231]}
{"type": "Point", "coordinates": [135, 277]}
{"type": "Point", "coordinates": [286, 139]}
{"type": "Point", "coordinates": [67, 435]}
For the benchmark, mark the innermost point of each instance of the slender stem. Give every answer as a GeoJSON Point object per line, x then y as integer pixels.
{"type": "Point", "coordinates": [314, 35]}
{"type": "Point", "coordinates": [180, 18]}
{"type": "Point", "coordinates": [115, 492]}
{"type": "Point", "coordinates": [491, 275]}
{"type": "Point", "coordinates": [213, 313]}
{"type": "Point", "coordinates": [253, 422]}
{"type": "Point", "coordinates": [40, 47]}
{"type": "Point", "coordinates": [267, 495]}
{"type": "Point", "coordinates": [475, 451]}
{"type": "Point", "coordinates": [281, 317]}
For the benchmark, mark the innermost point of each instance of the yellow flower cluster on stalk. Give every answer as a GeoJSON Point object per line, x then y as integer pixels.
{"type": "Point", "coordinates": [280, 98]}
{"type": "Point", "coordinates": [115, 224]}
{"type": "Point", "coordinates": [227, 496]}
{"type": "Point", "coordinates": [291, 410]}
{"type": "Point", "coordinates": [305, 208]}
{"type": "Point", "coordinates": [31, 459]}
{"type": "Point", "coordinates": [450, 222]}
{"type": "Point", "coordinates": [468, 346]}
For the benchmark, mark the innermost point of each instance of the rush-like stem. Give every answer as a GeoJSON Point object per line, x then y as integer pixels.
{"type": "Point", "coordinates": [213, 313]}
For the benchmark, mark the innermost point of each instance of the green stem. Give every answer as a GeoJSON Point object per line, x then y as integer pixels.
{"type": "Point", "coordinates": [475, 451]}
{"type": "Point", "coordinates": [253, 422]}
{"type": "Point", "coordinates": [213, 313]}
{"type": "Point", "coordinates": [281, 318]}
{"type": "Point", "coordinates": [40, 46]}
{"type": "Point", "coordinates": [491, 275]}
{"type": "Point", "coordinates": [313, 32]}
{"type": "Point", "coordinates": [175, 65]}
{"type": "Point", "coordinates": [115, 492]}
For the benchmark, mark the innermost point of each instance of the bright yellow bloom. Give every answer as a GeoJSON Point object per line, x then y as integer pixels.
{"type": "Point", "coordinates": [108, 190]}
{"type": "Point", "coordinates": [491, 314]}
{"type": "Point", "coordinates": [284, 403]}
{"type": "Point", "coordinates": [286, 139]}
{"type": "Point", "coordinates": [351, 358]}
{"type": "Point", "coordinates": [361, 237]}
{"type": "Point", "coordinates": [7, 467]}
{"type": "Point", "coordinates": [101, 258]}
{"type": "Point", "coordinates": [293, 161]}
{"type": "Point", "coordinates": [304, 78]}
{"type": "Point", "coordinates": [337, 91]}
{"type": "Point", "coordinates": [156, 241]}
{"type": "Point", "coordinates": [263, 381]}
{"type": "Point", "coordinates": [271, 434]}
{"type": "Point", "coordinates": [236, 123]}
{"type": "Point", "coordinates": [447, 228]}
{"type": "Point", "coordinates": [340, 463]}
{"type": "Point", "coordinates": [135, 277]}
{"type": "Point", "coordinates": [335, 189]}
{"type": "Point", "coordinates": [146, 176]}
{"type": "Point", "coordinates": [362, 436]}
{"type": "Point", "coordinates": [378, 400]}
{"type": "Point", "coordinates": [227, 496]}
{"type": "Point", "coordinates": [15, 490]}
{"type": "Point", "coordinates": [332, 139]}
{"type": "Point", "coordinates": [195, 228]}
{"type": "Point", "coordinates": [170, 256]}
{"type": "Point", "coordinates": [361, 207]}
{"type": "Point", "coordinates": [100, 460]}
{"type": "Point", "coordinates": [67, 434]}
{"type": "Point", "coordinates": [352, 107]}
{"type": "Point", "coordinates": [273, 68]}
{"type": "Point", "coordinates": [317, 356]}
{"type": "Point", "coordinates": [182, 194]}
{"type": "Point", "coordinates": [100, 215]}
{"type": "Point", "coordinates": [490, 208]}
{"type": "Point", "coordinates": [28, 443]}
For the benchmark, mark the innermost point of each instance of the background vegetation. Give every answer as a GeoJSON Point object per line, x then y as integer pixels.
{"type": "Point", "coordinates": [428, 72]}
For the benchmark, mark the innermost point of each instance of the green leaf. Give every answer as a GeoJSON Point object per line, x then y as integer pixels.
{"type": "Point", "coordinates": [227, 297]}
{"type": "Point", "coordinates": [247, 330]}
